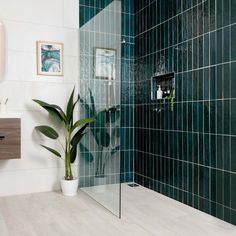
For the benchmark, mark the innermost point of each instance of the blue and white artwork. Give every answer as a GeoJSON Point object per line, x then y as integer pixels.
{"type": "Point", "coordinates": [50, 58]}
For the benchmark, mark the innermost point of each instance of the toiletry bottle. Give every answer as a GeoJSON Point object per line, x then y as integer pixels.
{"type": "Point", "coordinates": [159, 92]}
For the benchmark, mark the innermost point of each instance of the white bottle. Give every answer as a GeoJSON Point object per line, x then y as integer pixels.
{"type": "Point", "coordinates": [159, 92]}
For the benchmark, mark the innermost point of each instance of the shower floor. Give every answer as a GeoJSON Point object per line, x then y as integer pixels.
{"type": "Point", "coordinates": [144, 212]}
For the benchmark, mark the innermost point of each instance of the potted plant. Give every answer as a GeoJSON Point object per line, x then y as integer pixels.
{"type": "Point", "coordinates": [73, 133]}
{"type": "Point", "coordinates": [105, 133]}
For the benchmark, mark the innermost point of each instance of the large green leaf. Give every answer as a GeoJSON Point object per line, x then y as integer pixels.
{"type": "Point", "coordinates": [78, 98]}
{"type": "Point", "coordinates": [47, 131]}
{"type": "Point", "coordinates": [54, 110]}
{"type": "Point", "coordinates": [73, 154]}
{"type": "Point", "coordinates": [82, 122]}
{"type": "Point", "coordinates": [114, 114]}
{"type": "Point", "coordinates": [99, 129]}
{"type": "Point", "coordinates": [89, 107]}
{"type": "Point", "coordinates": [86, 106]}
{"type": "Point", "coordinates": [95, 132]}
{"type": "Point", "coordinates": [70, 106]}
{"type": "Point", "coordinates": [78, 136]}
{"type": "Point", "coordinates": [52, 151]}
{"type": "Point", "coordinates": [101, 119]}
{"type": "Point", "coordinates": [84, 152]}
{"type": "Point", "coordinates": [115, 134]}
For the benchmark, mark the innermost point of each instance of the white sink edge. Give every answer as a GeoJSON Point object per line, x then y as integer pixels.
{"type": "Point", "coordinates": [10, 115]}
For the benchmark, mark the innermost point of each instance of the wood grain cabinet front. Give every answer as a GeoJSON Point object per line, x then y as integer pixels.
{"type": "Point", "coordinates": [10, 138]}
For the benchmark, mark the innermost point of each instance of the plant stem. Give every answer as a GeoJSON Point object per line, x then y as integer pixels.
{"type": "Point", "coordinates": [68, 172]}
{"type": "Point", "coordinates": [106, 159]}
{"type": "Point", "coordinates": [99, 163]}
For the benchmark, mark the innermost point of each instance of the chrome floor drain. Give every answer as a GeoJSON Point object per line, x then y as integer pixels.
{"type": "Point", "coordinates": [133, 185]}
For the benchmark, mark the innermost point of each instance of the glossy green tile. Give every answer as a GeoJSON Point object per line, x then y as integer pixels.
{"type": "Point", "coordinates": [233, 117]}
{"type": "Point", "coordinates": [212, 8]}
{"type": "Point", "coordinates": [206, 150]}
{"type": "Point", "coordinates": [226, 190]}
{"type": "Point", "coordinates": [213, 187]}
{"type": "Point", "coordinates": [200, 84]}
{"type": "Point", "coordinates": [219, 112]}
{"type": "Point", "coordinates": [206, 50]}
{"type": "Point", "coordinates": [233, 217]}
{"type": "Point", "coordinates": [213, 48]}
{"type": "Point", "coordinates": [233, 43]}
{"type": "Point", "coordinates": [226, 44]}
{"type": "Point", "coordinates": [233, 11]}
{"type": "Point", "coordinates": [206, 15]}
{"type": "Point", "coordinates": [213, 151]}
{"type": "Point", "coordinates": [225, 12]}
{"type": "Point", "coordinates": [232, 80]}
{"type": "Point", "coordinates": [213, 82]}
{"type": "Point", "coordinates": [233, 154]}
{"type": "Point", "coordinates": [226, 81]}
{"type": "Point", "coordinates": [219, 13]}
{"type": "Point", "coordinates": [226, 153]}
{"type": "Point", "coordinates": [233, 191]}
{"type": "Point", "coordinates": [226, 117]}
{"type": "Point", "coordinates": [213, 117]}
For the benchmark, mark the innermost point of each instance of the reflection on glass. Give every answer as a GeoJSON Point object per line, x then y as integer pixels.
{"type": "Point", "coordinates": [100, 55]}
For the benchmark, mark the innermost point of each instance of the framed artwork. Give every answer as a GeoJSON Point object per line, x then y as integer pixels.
{"type": "Point", "coordinates": [50, 58]}
{"type": "Point", "coordinates": [105, 63]}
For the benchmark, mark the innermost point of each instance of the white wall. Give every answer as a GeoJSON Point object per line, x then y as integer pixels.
{"type": "Point", "coordinates": [27, 21]}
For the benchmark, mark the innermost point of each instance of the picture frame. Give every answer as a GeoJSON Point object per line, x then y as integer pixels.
{"type": "Point", "coordinates": [50, 58]}
{"type": "Point", "coordinates": [105, 63]}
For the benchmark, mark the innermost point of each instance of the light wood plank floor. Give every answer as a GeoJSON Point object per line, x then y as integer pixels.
{"type": "Point", "coordinates": [144, 213]}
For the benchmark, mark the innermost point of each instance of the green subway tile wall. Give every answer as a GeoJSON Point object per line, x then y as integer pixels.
{"type": "Point", "coordinates": [188, 154]}
{"type": "Point", "coordinates": [105, 24]}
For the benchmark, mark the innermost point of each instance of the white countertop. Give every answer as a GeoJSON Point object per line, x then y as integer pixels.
{"type": "Point", "coordinates": [9, 115]}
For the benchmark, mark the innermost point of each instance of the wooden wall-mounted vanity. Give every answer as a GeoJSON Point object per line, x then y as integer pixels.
{"type": "Point", "coordinates": [10, 136]}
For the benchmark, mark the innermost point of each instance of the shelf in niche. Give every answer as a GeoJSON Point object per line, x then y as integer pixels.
{"type": "Point", "coordinates": [167, 83]}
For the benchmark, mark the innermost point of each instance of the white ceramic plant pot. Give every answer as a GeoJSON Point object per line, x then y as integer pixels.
{"type": "Point", "coordinates": [100, 184]}
{"type": "Point", "coordinates": [69, 187]}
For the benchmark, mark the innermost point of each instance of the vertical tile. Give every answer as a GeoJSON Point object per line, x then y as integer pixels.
{"type": "Point", "coordinates": [206, 150]}
{"type": "Point", "coordinates": [213, 185]}
{"type": "Point", "coordinates": [226, 117]}
{"type": "Point", "coordinates": [219, 13]}
{"type": "Point", "coordinates": [233, 154]}
{"type": "Point", "coordinates": [233, 43]}
{"type": "Point", "coordinates": [233, 191]}
{"type": "Point", "coordinates": [225, 12]}
{"type": "Point", "coordinates": [213, 52]}
{"type": "Point", "coordinates": [212, 8]}
{"type": "Point", "coordinates": [226, 44]}
{"type": "Point", "coordinates": [233, 117]}
{"type": "Point", "coordinates": [219, 40]}
{"type": "Point", "coordinates": [226, 191]}
{"type": "Point", "coordinates": [226, 81]}
{"type": "Point", "coordinates": [233, 11]}
{"type": "Point", "coordinates": [206, 50]}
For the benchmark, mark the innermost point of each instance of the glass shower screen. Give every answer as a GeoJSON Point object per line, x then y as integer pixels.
{"type": "Point", "coordinates": [100, 57]}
